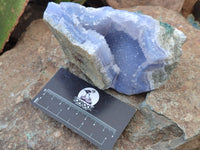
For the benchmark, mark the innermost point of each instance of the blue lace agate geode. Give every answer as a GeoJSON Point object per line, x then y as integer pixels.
{"type": "Point", "coordinates": [129, 52]}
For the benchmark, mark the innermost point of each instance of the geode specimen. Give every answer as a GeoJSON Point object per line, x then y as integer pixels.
{"type": "Point", "coordinates": [129, 52]}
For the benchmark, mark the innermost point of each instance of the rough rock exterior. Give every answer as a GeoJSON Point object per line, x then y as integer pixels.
{"type": "Point", "coordinates": [25, 69]}
{"type": "Point", "coordinates": [170, 4]}
{"type": "Point", "coordinates": [129, 52]}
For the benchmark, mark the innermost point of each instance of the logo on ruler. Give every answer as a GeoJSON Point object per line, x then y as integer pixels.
{"type": "Point", "coordinates": [87, 98]}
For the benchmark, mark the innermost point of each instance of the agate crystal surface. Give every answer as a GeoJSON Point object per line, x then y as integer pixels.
{"type": "Point", "coordinates": [129, 52]}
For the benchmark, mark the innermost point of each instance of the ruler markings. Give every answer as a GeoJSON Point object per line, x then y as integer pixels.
{"type": "Point", "coordinates": [80, 109]}
{"type": "Point", "coordinates": [67, 122]}
{"type": "Point", "coordinates": [36, 100]}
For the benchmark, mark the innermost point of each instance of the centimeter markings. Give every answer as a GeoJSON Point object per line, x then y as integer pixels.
{"type": "Point", "coordinates": [67, 122]}
{"type": "Point", "coordinates": [80, 109]}
{"type": "Point", "coordinates": [105, 125]}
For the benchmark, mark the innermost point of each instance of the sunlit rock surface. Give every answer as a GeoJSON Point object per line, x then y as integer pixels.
{"type": "Point", "coordinates": [127, 51]}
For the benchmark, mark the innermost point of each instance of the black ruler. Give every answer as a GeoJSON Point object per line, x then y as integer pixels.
{"type": "Point", "coordinates": [95, 115]}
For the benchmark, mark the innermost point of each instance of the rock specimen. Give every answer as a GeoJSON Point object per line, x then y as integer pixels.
{"type": "Point", "coordinates": [175, 5]}
{"type": "Point", "coordinates": [130, 52]}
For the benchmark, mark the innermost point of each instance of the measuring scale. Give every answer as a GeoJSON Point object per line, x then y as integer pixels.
{"type": "Point", "coordinates": [90, 112]}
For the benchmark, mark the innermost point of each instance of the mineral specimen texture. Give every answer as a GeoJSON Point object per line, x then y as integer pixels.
{"type": "Point", "coordinates": [129, 52]}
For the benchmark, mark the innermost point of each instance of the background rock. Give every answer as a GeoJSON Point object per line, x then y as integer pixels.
{"type": "Point", "coordinates": [170, 4]}
{"type": "Point", "coordinates": [192, 144]}
{"type": "Point", "coordinates": [188, 7]}
{"type": "Point", "coordinates": [25, 69]}
{"type": "Point", "coordinates": [196, 11]}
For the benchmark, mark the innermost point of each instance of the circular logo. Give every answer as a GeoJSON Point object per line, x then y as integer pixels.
{"type": "Point", "coordinates": [89, 95]}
